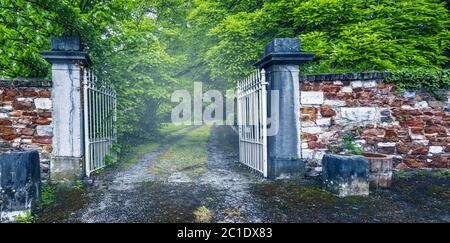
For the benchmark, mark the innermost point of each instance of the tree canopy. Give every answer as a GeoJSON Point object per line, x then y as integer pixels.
{"type": "Point", "coordinates": [351, 35]}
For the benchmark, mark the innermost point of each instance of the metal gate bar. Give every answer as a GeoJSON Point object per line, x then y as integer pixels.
{"type": "Point", "coordinates": [99, 113]}
{"type": "Point", "coordinates": [252, 121]}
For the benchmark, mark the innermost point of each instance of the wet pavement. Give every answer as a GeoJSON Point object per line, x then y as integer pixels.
{"type": "Point", "coordinates": [136, 194]}
{"type": "Point", "coordinates": [229, 192]}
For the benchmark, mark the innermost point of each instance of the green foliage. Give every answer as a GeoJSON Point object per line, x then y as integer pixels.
{"type": "Point", "coordinates": [125, 39]}
{"type": "Point", "coordinates": [443, 173]}
{"type": "Point", "coordinates": [421, 78]}
{"type": "Point", "coordinates": [26, 219]}
{"type": "Point", "coordinates": [109, 160]}
{"type": "Point", "coordinates": [48, 194]}
{"type": "Point", "coordinates": [351, 35]}
{"type": "Point", "coordinates": [202, 215]}
{"type": "Point", "coordinates": [78, 185]}
{"type": "Point", "coordinates": [26, 27]}
{"type": "Point", "coordinates": [349, 145]}
{"type": "Point", "coordinates": [377, 35]}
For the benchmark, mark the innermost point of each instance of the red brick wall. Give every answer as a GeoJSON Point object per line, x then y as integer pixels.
{"type": "Point", "coordinates": [412, 126]}
{"type": "Point", "coordinates": [26, 116]}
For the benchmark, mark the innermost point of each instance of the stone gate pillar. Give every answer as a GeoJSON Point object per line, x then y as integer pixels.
{"type": "Point", "coordinates": [68, 63]}
{"type": "Point", "coordinates": [281, 61]}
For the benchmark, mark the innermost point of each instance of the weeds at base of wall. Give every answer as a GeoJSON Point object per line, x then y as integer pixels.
{"type": "Point", "coordinates": [48, 194]}
{"type": "Point", "coordinates": [443, 173]}
{"type": "Point", "coordinates": [26, 219]}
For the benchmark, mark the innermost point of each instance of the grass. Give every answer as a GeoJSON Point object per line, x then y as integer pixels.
{"type": "Point", "coordinates": [186, 155]}
{"type": "Point", "coordinates": [58, 203]}
{"type": "Point", "coordinates": [172, 129]}
{"type": "Point", "coordinates": [232, 213]}
{"type": "Point", "coordinates": [409, 174]}
{"type": "Point", "coordinates": [196, 173]}
{"type": "Point", "coordinates": [167, 132]}
{"type": "Point", "coordinates": [443, 173]}
{"type": "Point", "coordinates": [136, 153]}
{"type": "Point", "coordinates": [312, 193]}
{"type": "Point", "coordinates": [202, 215]}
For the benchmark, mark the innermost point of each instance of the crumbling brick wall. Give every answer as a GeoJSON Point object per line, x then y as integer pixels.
{"type": "Point", "coordinates": [26, 116]}
{"type": "Point", "coordinates": [412, 126]}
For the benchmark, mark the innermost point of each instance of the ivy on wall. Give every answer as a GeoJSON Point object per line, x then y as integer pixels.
{"type": "Point", "coordinates": [430, 80]}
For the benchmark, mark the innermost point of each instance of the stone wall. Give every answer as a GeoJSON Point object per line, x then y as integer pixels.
{"type": "Point", "coordinates": [412, 126]}
{"type": "Point", "coordinates": [26, 116]}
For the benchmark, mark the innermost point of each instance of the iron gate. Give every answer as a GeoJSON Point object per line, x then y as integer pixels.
{"type": "Point", "coordinates": [99, 107]}
{"type": "Point", "coordinates": [252, 121]}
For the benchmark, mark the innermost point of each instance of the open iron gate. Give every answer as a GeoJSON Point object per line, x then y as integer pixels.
{"type": "Point", "coordinates": [99, 107]}
{"type": "Point", "coordinates": [252, 121]}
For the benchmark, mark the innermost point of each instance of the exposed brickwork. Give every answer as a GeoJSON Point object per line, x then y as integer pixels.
{"type": "Point", "coordinates": [413, 126]}
{"type": "Point", "coordinates": [25, 117]}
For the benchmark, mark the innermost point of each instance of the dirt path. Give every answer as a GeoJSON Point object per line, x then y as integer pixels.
{"type": "Point", "coordinates": [136, 194]}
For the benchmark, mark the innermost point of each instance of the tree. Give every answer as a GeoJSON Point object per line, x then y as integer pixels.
{"type": "Point", "coordinates": [351, 35]}
{"type": "Point", "coordinates": [124, 39]}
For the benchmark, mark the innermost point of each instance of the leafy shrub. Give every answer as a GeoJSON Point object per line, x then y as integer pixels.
{"type": "Point", "coordinates": [48, 194]}
{"type": "Point", "coordinates": [349, 145]}
{"type": "Point", "coordinates": [26, 219]}
{"type": "Point", "coordinates": [421, 78]}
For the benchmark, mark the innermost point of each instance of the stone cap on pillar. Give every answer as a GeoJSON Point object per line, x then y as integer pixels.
{"type": "Point", "coordinates": [66, 49]}
{"type": "Point", "coordinates": [283, 51]}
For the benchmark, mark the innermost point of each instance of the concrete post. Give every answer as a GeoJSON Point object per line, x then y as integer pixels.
{"type": "Point", "coordinates": [281, 61]}
{"type": "Point", "coordinates": [68, 63]}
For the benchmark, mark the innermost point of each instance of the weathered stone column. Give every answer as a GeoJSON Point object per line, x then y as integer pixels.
{"type": "Point", "coordinates": [281, 61]}
{"type": "Point", "coordinates": [67, 67]}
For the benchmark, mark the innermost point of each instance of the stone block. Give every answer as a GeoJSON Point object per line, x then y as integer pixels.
{"type": "Point", "coordinates": [359, 114]}
{"type": "Point", "coordinates": [436, 149]}
{"type": "Point", "coordinates": [45, 94]}
{"type": "Point", "coordinates": [19, 182]}
{"type": "Point", "coordinates": [44, 130]}
{"type": "Point", "coordinates": [346, 175]}
{"type": "Point", "coordinates": [42, 121]}
{"type": "Point", "coordinates": [323, 122]}
{"type": "Point", "coordinates": [386, 145]}
{"type": "Point", "coordinates": [22, 105]}
{"type": "Point", "coordinates": [43, 103]}
{"type": "Point", "coordinates": [311, 98]}
{"type": "Point", "coordinates": [347, 89]}
{"type": "Point", "coordinates": [356, 84]}
{"type": "Point", "coordinates": [308, 123]}
{"type": "Point", "coordinates": [326, 111]}
{"type": "Point", "coordinates": [312, 130]}
{"type": "Point", "coordinates": [370, 84]}
{"type": "Point", "coordinates": [42, 139]}
{"type": "Point", "coordinates": [65, 43]}
{"type": "Point", "coordinates": [66, 169]}
{"type": "Point", "coordinates": [278, 45]}
{"type": "Point", "coordinates": [335, 103]}
{"type": "Point", "coordinates": [421, 104]}
{"type": "Point", "coordinates": [307, 153]}
{"type": "Point", "coordinates": [5, 122]}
